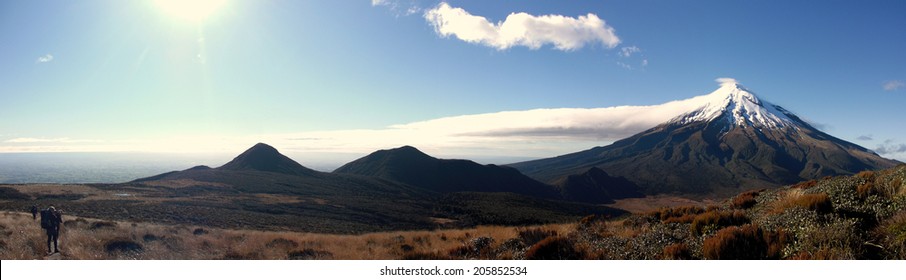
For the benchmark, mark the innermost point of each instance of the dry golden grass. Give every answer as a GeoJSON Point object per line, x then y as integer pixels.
{"type": "Point", "coordinates": [22, 238]}
{"type": "Point", "coordinates": [819, 202]}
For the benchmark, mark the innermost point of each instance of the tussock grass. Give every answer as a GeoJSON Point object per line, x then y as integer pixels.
{"type": "Point", "coordinates": [555, 248]}
{"type": "Point", "coordinates": [818, 202]}
{"type": "Point", "coordinates": [677, 251]}
{"type": "Point", "coordinates": [745, 200]}
{"type": "Point", "coordinates": [747, 242]}
{"type": "Point", "coordinates": [714, 220]}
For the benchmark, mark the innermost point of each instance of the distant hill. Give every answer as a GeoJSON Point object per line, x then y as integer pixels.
{"type": "Point", "coordinates": [732, 141]}
{"type": "Point", "coordinates": [263, 157]}
{"type": "Point", "coordinates": [262, 188]}
{"type": "Point", "coordinates": [596, 186]}
{"type": "Point", "coordinates": [410, 166]}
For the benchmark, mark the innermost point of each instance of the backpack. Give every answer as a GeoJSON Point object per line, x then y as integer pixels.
{"type": "Point", "coordinates": [46, 218]}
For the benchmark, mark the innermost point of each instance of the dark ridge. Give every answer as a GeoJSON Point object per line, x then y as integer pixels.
{"type": "Point", "coordinates": [155, 177]}
{"type": "Point", "coordinates": [596, 186]}
{"type": "Point", "coordinates": [410, 166]}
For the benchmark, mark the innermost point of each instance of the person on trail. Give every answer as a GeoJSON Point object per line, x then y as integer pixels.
{"type": "Point", "coordinates": [34, 212]}
{"type": "Point", "coordinates": [51, 219]}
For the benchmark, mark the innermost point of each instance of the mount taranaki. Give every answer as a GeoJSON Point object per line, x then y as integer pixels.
{"type": "Point", "coordinates": [731, 140]}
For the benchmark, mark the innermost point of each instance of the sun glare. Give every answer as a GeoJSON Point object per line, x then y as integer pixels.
{"type": "Point", "coordinates": [193, 10]}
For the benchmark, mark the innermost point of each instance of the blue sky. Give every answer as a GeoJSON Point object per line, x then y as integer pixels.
{"type": "Point", "coordinates": [320, 78]}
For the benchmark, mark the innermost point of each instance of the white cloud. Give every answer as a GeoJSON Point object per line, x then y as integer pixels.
{"type": "Point", "coordinates": [44, 59]}
{"type": "Point", "coordinates": [624, 65]}
{"type": "Point", "coordinates": [644, 62]}
{"type": "Point", "coordinates": [726, 81]}
{"type": "Point", "coordinates": [378, 2]}
{"type": "Point", "coordinates": [628, 51]}
{"type": "Point", "coordinates": [893, 85]}
{"type": "Point", "coordinates": [522, 29]}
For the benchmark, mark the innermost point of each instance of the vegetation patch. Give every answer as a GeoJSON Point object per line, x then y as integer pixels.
{"type": "Point", "coordinates": [714, 220]}
{"type": "Point", "coordinates": [424, 256]}
{"type": "Point", "coordinates": [820, 203]}
{"type": "Point", "coordinates": [281, 242]}
{"type": "Point", "coordinates": [532, 236]}
{"type": "Point", "coordinates": [77, 223]}
{"type": "Point", "coordinates": [101, 225]}
{"type": "Point", "coordinates": [745, 200]}
{"type": "Point", "coordinates": [477, 248]}
{"type": "Point", "coordinates": [308, 254]}
{"type": "Point", "coordinates": [748, 242]}
{"type": "Point", "coordinates": [554, 248]}
{"type": "Point", "coordinates": [677, 214]}
{"type": "Point", "coordinates": [150, 237]}
{"type": "Point", "coordinates": [677, 251]}
{"type": "Point", "coordinates": [805, 185]}
{"type": "Point", "coordinates": [123, 246]}
{"type": "Point", "coordinates": [892, 236]}
{"type": "Point", "coordinates": [7, 193]}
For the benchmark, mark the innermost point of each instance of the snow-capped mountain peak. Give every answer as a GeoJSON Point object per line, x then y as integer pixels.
{"type": "Point", "coordinates": [738, 105]}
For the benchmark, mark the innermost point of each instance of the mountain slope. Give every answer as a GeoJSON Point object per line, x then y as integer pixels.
{"type": "Point", "coordinates": [411, 166]}
{"type": "Point", "coordinates": [732, 140]}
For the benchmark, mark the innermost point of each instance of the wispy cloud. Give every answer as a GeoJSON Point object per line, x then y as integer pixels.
{"type": "Point", "coordinates": [45, 58]}
{"type": "Point", "coordinates": [865, 138]}
{"type": "Point", "coordinates": [399, 7]}
{"type": "Point", "coordinates": [522, 29]}
{"type": "Point", "coordinates": [49, 140]}
{"type": "Point", "coordinates": [628, 51]}
{"type": "Point", "coordinates": [893, 85]}
{"type": "Point", "coordinates": [726, 81]}
{"type": "Point", "coordinates": [889, 148]}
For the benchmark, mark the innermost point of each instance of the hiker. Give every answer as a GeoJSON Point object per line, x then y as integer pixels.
{"type": "Point", "coordinates": [34, 212]}
{"type": "Point", "coordinates": [50, 222]}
